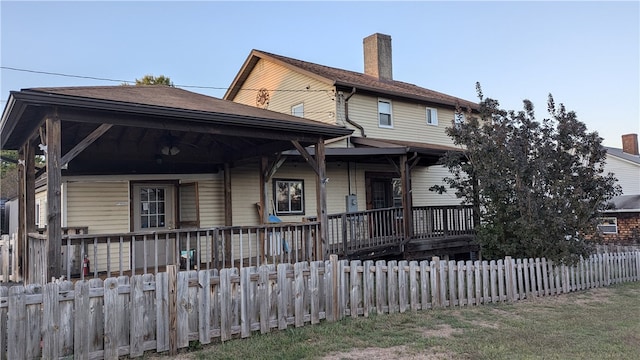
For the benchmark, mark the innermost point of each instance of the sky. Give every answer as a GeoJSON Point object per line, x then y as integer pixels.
{"type": "Point", "coordinates": [586, 54]}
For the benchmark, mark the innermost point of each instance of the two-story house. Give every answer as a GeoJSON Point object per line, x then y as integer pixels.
{"type": "Point", "coordinates": [399, 130]}
{"type": "Point", "coordinates": [621, 223]}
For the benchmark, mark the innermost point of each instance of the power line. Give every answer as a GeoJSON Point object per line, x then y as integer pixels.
{"type": "Point", "coordinates": [129, 81]}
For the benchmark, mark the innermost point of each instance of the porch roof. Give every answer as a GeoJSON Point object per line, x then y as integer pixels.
{"type": "Point", "coordinates": [142, 121]}
{"type": "Point", "coordinates": [375, 150]}
{"type": "Point", "coordinates": [166, 103]}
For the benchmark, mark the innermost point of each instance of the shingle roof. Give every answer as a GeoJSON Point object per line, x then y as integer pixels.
{"type": "Point", "coordinates": [346, 78]}
{"type": "Point", "coordinates": [169, 97]}
{"type": "Point", "coordinates": [159, 100]}
{"type": "Point", "coordinates": [622, 155]}
{"type": "Point", "coordinates": [625, 203]}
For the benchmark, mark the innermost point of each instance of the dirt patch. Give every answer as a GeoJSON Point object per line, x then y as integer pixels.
{"type": "Point", "coordinates": [396, 352]}
{"type": "Point", "coordinates": [485, 324]}
{"type": "Point", "coordinates": [443, 331]}
{"type": "Point", "coordinates": [582, 297]}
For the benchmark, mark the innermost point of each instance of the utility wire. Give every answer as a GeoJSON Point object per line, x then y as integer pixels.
{"type": "Point", "coordinates": [129, 81]}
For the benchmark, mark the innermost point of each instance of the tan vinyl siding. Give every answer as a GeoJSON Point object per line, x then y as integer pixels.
{"type": "Point", "coordinates": [317, 96]}
{"type": "Point", "coordinates": [102, 206]}
{"type": "Point", "coordinates": [627, 173]}
{"type": "Point", "coordinates": [422, 178]}
{"type": "Point", "coordinates": [409, 121]}
{"type": "Point", "coordinates": [211, 195]}
{"type": "Point", "coordinates": [245, 192]}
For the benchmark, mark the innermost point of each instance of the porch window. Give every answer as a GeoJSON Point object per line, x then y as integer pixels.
{"type": "Point", "coordinates": [297, 110]}
{"type": "Point", "coordinates": [384, 113]}
{"type": "Point", "coordinates": [289, 196]}
{"type": "Point", "coordinates": [152, 207]}
{"type": "Point", "coordinates": [608, 225]}
{"type": "Point", "coordinates": [397, 192]}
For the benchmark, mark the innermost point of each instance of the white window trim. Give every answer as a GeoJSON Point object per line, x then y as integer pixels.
{"type": "Point", "coordinates": [459, 118]}
{"type": "Point", "coordinates": [614, 224]}
{"type": "Point", "coordinates": [302, 200]}
{"type": "Point", "coordinates": [294, 107]}
{"type": "Point", "coordinates": [390, 126]}
{"type": "Point", "coordinates": [434, 115]}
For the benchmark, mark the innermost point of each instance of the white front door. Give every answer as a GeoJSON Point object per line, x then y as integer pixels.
{"type": "Point", "coordinates": [153, 210]}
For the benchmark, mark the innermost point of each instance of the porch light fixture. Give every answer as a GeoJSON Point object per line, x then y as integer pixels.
{"type": "Point", "coordinates": [170, 150]}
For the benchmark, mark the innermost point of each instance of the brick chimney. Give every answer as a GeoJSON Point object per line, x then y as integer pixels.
{"type": "Point", "coordinates": [630, 144]}
{"type": "Point", "coordinates": [377, 56]}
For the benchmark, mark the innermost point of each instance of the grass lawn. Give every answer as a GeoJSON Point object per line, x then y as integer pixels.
{"type": "Point", "coordinates": [600, 323]}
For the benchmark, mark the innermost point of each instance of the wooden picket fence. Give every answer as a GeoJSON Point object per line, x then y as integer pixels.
{"type": "Point", "coordinates": [126, 316]}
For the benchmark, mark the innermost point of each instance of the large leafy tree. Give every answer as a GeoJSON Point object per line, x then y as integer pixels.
{"type": "Point", "coordinates": [537, 186]}
{"type": "Point", "coordinates": [154, 80]}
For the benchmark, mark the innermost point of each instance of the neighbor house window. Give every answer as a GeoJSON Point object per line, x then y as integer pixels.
{"type": "Point", "coordinates": [384, 113]}
{"type": "Point", "coordinates": [458, 118]}
{"type": "Point", "coordinates": [289, 196]}
{"type": "Point", "coordinates": [37, 213]}
{"type": "Point", "coordinates": [432, 116]}
{"type": "Point", "coordinates": [297, 110]}
{"type": "Point", "coordinates": [608, 225]}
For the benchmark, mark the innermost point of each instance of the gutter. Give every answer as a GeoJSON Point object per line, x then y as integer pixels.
{"type": "Point", "coordinates": [346, 113]}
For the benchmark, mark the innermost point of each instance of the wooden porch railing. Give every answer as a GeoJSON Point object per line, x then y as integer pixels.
{"type": "Point", "coordinates": [357, 232]}
{"type": "Point", "coordinates": [349, 234]}
{"type": "Point", "coordinates": [442, 221]}
{"type": "Point", "coordinates": [198, 249]}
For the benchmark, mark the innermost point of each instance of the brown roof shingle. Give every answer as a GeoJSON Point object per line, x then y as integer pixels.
{"type": "Point", "coordinates": [346, 78]}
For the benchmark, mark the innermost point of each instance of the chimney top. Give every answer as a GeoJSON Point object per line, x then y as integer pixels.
{"type": "Point", "coordinates": [377, 56]}
{"type": "Point", "coordinates": [630, 144]}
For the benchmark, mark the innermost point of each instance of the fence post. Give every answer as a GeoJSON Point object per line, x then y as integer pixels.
{"type": "Point", "coordinates": [335, 293]}
{"type": "Point", "coordinates": [435, 282]}
{"type": "Point", "coordinates": [173, 309]}
{"type": "Point", "coordinates": [508, 278]}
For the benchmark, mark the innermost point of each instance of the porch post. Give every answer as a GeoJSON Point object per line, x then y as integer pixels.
{"type": "Point", "coordinates": [407, 203]}
{"type": "Point", "coordinates": [321, 196]}
{"type": "Point", "coordinates": [228, 202]}
{"type": "Point", "coordinates": [54, 198]}
{"type": "Point", "coordinates": [26, 208]}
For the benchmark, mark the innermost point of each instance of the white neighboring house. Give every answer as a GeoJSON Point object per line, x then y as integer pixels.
{"type": "Point", "coordinates": [621, 224]}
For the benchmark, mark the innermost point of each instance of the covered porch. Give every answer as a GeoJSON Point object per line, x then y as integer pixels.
{"type": "Point", "coordinates": [142, 140]}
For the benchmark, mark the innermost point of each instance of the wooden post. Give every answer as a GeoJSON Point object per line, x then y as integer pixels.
{"type": "Point", "coordinates": [228, 209]}
{"type": "Point", "coordinates": [405, 179]}
{"type": "Point", "coordinates": [173, 309]}
{"type": "Point", "coordinates": [321, 195]}
{"type": "Point", "coordinates": [54, 198]}
{"type": "Point", "coordinates": [26, 208]}
{"type": "Point", "coordinates": [264, 210]}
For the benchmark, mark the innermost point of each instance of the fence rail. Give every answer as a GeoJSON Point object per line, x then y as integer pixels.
{"type": "Point", "coordinates": [96, 319]}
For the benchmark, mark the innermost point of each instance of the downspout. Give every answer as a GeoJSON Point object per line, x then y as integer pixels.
{"type": "Point", "coordinates": [346, 113]}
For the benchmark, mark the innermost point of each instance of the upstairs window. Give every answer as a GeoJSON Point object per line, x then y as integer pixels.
{"type": "Point", "coordinates": [297, 110]}
{"type": "Point", "coordinates": [289, 196]}
{"type": "Point", "coordinates": [384, 113]}
{"type": "Point", "coordinates": [432, 116]}
{"type": "Point", "coordinates": [458, 118]}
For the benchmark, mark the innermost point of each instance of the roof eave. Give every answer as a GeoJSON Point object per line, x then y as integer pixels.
{"type": "Point", "coordinates": [452, 104]}
{"type": "Point", "coordinates": [34, 97]}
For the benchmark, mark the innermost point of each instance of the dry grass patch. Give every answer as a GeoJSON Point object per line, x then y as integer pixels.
{"type": "Point", "coordinates": [396, 352]}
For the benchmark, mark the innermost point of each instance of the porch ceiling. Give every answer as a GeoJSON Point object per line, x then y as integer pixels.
{"type": "Point", "coordinates": [145, 119]}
